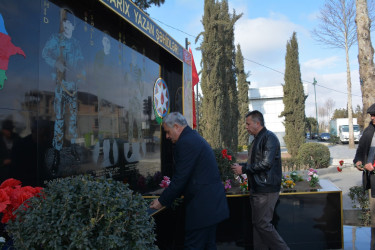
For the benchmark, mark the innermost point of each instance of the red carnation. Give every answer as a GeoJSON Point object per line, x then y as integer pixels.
{"type": "Point", "coordinates": [4, 200]}
{"type": "Point", "coordinates": [224, 153]}
{"type": "Point", "coordinates": [341, 162]}
{"type": "Point", "coordinates": [339, 169]}
{"type": "Point", "coordinates": [12, 195]}
{"type": "Point", "coordinates": [10, 183]}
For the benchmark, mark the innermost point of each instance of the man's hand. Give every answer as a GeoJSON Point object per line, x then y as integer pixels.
{"type": "Point", "coordinates": [358, 165]}
{"type": "Point", "coordinates": [7, 162]}
{"type": "Point", "coordinates": [155, 204]}
{"type": "Point", "coordinates": [369, 167]}
{"type": "Point", "coordinates": [237, 169]}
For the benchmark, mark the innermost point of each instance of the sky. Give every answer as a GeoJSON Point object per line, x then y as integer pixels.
{"type": "Point", "coordinates": [263, 32]}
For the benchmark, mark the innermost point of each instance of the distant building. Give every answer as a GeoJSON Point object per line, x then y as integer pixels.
{"type": "Point", "coordinates": [269, 101]}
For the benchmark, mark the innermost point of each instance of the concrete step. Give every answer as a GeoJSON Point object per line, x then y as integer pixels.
{"type": "Point", "coordinates": [352, 217]}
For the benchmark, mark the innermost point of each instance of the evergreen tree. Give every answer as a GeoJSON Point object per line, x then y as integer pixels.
{"type": "Point", "coordinates": [310, 125]}
{"type": "Point", "coordinates": [231, 127]}
{"type": "Point", "coordinates": [220, 104]}
{"type": "Point", "coordinates": [243, 98]}
{"type": "Point", "coordinates": [199, 108]}
{"type": "Point", "coordinates": [145, 4]}
{"type": "Point", "coordinates": [294, 99]}
{"type": "Point", "coordinates": [340, 113]}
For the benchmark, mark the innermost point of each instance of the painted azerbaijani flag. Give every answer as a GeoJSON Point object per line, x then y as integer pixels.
{"type": "Point", "coordinates": [7, 49]}
{"type": "Point", "coordinates": [161, 100]}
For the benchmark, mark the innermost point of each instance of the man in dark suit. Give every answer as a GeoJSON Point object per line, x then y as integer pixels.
{"type": "Point", "coordinates": [197, 178]}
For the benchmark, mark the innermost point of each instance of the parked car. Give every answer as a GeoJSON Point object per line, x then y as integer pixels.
{"type": "Point", "coordinates": [314, 136]}
{"type": "Point", "coordinates": [324, 137]}
{"type": "Point", "coordinates": [308, 136]}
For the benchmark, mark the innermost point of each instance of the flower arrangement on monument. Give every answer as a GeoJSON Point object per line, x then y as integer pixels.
{"type": "Point", "coordinates": [295, 176]}
{"type": "Point", "coordinates": [244, 183]}
{"type": "Point", "coordinates": [313, 177]}
{"type": "Point", "coordinates": [287, 182]}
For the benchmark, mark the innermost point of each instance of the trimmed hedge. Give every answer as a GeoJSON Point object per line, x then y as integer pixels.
{"type": "Point", "coordinates": [84, 213]}
{"type": "Point", "coordinates": [315, 155]}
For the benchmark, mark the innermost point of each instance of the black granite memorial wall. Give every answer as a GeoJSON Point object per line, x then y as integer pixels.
{"type": "Point", "coordinates": [77, 85]}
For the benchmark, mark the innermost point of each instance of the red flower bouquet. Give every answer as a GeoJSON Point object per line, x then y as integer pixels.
{"type": "Point", "coordinates": [224, 160]}
{"type": "Point", "coordinates": [225, 155]}
{"type": "Point", "coordinates": [12, 195]}
{"type": "Point", "coordinates": [165, 182]}
{"type": "Point", "coordinates": [339, 168]}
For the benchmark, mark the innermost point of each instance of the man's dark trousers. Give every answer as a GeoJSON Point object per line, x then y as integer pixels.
{"type": "Point", "coordinates": [265, 235]}
{"type": "Point", "coordinates": [202, 238]}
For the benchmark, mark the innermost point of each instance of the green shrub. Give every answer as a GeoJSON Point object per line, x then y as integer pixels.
{"type": "Point", "coordinates": [333, 140]}
{"type": "Point", "coordinates": [360, 199]}
{"type": "Point", "coordinates": [314, 155]}
{"type": "Point", "coordinates": [84, 213]}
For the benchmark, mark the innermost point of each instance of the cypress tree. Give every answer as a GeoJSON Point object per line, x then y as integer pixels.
{"type": "Point", "coordinates": [294, 99]}
{"type": "Point", "coordinates": [243, 98]}
{"type": "Point", "coordinates": [220, 104]}
{"type": "Point", "coordinates": [209, 80]}
{"type": "Point", "coordinates": [231, 129]}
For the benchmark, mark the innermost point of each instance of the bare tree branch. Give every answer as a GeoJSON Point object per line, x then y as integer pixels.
{"type": "Point", "coordinates": [337, 29]}
{"type": "Point", "coordinates": [337, 24]}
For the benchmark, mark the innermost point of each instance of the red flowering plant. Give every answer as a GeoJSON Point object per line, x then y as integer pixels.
{"type": "Point", "coordinates": [12, 196]}
{"type": "Point", "coordinates": [225, 159]}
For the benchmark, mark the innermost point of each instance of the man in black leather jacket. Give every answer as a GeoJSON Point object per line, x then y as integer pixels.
{"type": "Point", "coordinates": [264, 172]}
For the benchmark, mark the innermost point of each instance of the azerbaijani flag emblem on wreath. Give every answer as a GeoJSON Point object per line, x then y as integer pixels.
{"type": "Point", "coordinates": [161, 100]}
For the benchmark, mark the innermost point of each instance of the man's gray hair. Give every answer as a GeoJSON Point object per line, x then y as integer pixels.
{"type": "Point", "coordinates": [256, 116]}
{"type": "Point", "coordinates": [174, 118]}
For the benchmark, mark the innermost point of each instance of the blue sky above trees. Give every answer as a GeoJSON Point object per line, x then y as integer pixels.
{"type": "Point", "coordinates": [263, 32]}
